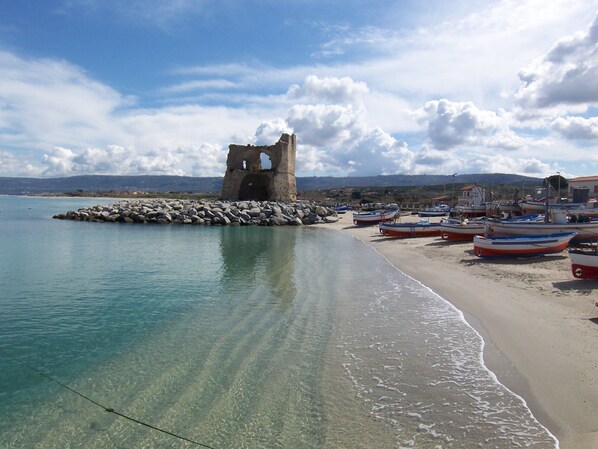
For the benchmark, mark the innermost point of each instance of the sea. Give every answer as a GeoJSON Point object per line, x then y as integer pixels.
{"type": "Point", "coordinates": [172, 336]}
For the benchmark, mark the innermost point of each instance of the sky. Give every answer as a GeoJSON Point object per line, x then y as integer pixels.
{"type": "Point", "coordinates": [157, 87]}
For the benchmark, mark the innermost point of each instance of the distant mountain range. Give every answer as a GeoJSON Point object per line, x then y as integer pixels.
{"type": "Point", "coordinates": [187, 184]}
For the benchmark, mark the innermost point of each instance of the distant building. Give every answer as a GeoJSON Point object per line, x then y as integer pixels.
{"type": "Point", "coordinates": [586, 182]}
{"type": "Point", "coordinates": [472, 195]}
{"type": "Point", "coordinates": [472, 202]}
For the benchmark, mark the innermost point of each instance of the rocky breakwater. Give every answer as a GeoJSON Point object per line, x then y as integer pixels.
{"type": "Point", "coordinates": [189, 212]}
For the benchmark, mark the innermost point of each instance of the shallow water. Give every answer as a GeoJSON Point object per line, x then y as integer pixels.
{"type": "Point", "coordinates": [232, 337]}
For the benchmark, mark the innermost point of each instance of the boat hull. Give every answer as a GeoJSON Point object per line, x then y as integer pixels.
{"type": "Point", "coordinates": [521, 246]}
{"type": "Point", "coordinates": [371, 218]}
{"type": "Point", "coordinates": [471, 211]}
{"type": "Point", "coordinates": [425, 213]}
{"type": "Point", "coordinates": [584, 265]}
{"type": "Point", "coordinates": [409, 229]}
{"type": "Point", "coordinates": [539, 207]}
{"type": "Point", "coordinates": [585, 231]}
{"type": "Point", "coordinates": [461, 231]}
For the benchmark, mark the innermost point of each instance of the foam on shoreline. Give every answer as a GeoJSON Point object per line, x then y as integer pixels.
{"type": "Point", "coordinates": [532, 312]}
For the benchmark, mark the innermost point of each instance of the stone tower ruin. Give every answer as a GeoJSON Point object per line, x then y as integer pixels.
{"type": "Point", "coordinates": [246, 179]}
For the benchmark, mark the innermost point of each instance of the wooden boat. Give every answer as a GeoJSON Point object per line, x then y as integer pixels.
{"type": "Point", "coordinates": [471, 211]}
{"type": "Point", "coordinates": [584, 262]}
{"type": "Point", "coordinates": [342, 209]}
{"type": "Point", "coordinates": [586, 228]}
{"type": "Point", "coordinates": [540, 206]}
{"type": "Point", "coordinates": [442, 210]}
{"type": "Point", "coordinates": [374, 217]}
{"type": "Point", "coordinates": [461, 230]}
{"type": "Point", "coordinates": [521, 246]}
{"type": "Point", "coordinates": [415, 229]}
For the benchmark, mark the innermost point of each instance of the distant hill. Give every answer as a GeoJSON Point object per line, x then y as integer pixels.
{"type": "Point", "coordinates": [188, 184]}
{"type": "Point", "coordinates": [328, 182]}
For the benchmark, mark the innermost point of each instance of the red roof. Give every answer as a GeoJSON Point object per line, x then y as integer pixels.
{"type": "Point", "coordinates": [584, 179]}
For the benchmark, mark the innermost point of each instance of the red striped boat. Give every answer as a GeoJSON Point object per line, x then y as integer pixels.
{"type": "Point", "coordinates": [521, 246]}
{"type": "Point", "coordinates": [584, 263]}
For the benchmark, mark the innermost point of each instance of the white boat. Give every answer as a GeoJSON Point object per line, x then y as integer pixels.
{"type": "Point", "coordinates": [584, 262]}
{"type": "Point", "coordinates": [375, 217]}
{"type": "Point", "coordinates": [342, 209]}
{"type": "Point", "coordinates": [586, 229]}
{"type": "Point", "coordinates": [421, 228]}
{"type": "Point", "coordinates": [521, 246]}
{"type": "Point", "coordinates": [540, 206]}
{"type": "Point", "coordinates": [462, 230]}
{"type": "Point", "coordinates": [442, 210]}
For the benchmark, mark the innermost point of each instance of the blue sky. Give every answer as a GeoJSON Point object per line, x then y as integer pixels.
{"type": "Point", "coordinates": [384, 87]}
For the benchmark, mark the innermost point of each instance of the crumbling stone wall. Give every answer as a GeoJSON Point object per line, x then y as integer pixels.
{"type": "Point", "coordinates": [245, 179]}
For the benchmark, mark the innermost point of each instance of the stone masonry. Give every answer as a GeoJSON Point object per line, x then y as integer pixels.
{"type": "Point", "coordinates": [246, 179]}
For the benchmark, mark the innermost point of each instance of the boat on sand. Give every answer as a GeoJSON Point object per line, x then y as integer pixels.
{"type": "Point", "coordinates": [585, 227]}
{"type": "Point", "coordinates": [521, 245]}
{"type": "Point", "coordinates": [462, 230]}
{"type": "Point", "coordinates": [375, 217]}
{"type": "Point", "coordinates": [441, 210]}
{"type": "Point", "coordinates": [423, 228]}
{"type": "Point", "coordinates": [584, 262]}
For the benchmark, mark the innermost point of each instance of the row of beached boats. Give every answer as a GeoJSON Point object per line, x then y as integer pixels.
{"type": "Point", "coordinates": [526, 236]}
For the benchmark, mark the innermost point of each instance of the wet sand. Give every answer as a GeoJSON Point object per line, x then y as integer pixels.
{"type": "Point", "coordinates": [536, 319]}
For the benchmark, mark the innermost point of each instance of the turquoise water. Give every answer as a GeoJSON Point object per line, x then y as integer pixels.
{"type": "Point", "coordinates": [234, 337]}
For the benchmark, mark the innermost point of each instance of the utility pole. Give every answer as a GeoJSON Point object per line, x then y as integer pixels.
{"type": "Point", "coordinates": [453, 190]}
{"type": "Point", "coordinates": [559, 189]}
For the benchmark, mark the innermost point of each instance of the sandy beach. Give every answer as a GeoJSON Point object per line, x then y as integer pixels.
{"type": "Point", "coordinates": [535, 317]}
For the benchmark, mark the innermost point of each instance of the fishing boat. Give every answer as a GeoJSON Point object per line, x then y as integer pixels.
{"type": "Point", "coordinates": [421, 228]}
{"type": "Point", "coordinates": [442, 210]}
{"type": "Point", "coordinates": [340, 209]}
{"type": "Point", "coordinates": [584, 262]}
{"type": "Point", "coordinates": [462, 230]}
{"type": "Point", "coordinates": [375, 217]}
{"type": "Point", "coordinates": [540, 206]}
{"type": "Point", "coordinates": [585, 227]}
{"type": "Point", "coordinates": [521, 246]}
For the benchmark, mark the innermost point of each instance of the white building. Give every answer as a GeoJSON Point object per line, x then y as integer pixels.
{"type": "Point", "coordinates": [472, 195]}
{"type": "Point", "coordinates": [586, 182]}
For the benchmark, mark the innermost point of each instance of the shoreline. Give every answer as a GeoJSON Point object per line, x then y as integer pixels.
{"type": "Point", "coordinates": [532, 314]}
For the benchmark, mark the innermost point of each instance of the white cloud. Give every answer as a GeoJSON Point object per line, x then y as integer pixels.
{"type": "Point", "coordinates": [469, 55]}
{"type": "Point", "coordinates": [567, 74]}
{"type": "Point", "coordinates": [12, 164]}
{"type": "Point", "coordinates": [47, 102]}
{"type": "Point", "coordinates": [451, 124]}
{"type": "Point", "coordinates": [202, 160]}
{"type": "Point", "coordinates": [329, 90]}
{"type": "Point", "coordinates": [203, 84]}
{"type": "Point", "coordinates": [333, 134]}
{"type": "Point", "coordinates": [576, 127]}
{"type": "Point", "coordinates": [270, 131]}
{"type": "Point", "coordinates": [500, 163]}
{"type": "Point", "coordinates": [431, 161]}
{"type": "Point", "coordinates": [77, 125]}
{"type": "Point", "coordinates": [323, 125]}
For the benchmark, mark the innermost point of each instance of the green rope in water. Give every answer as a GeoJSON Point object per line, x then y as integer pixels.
{"type": "Point", "coordinates": [107, 409]}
